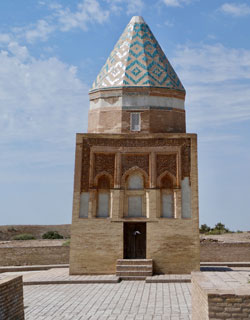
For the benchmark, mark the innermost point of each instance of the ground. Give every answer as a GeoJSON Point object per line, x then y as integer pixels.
{"type": "Point", "coordinates": [125, 300]}
{"type": "Point", "coordinates": [31, 243]}
{"type": "Point", "coordinates": [229, 237]}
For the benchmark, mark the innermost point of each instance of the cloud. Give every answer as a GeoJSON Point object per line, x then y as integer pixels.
{"type": "Point", "coordinates": [131, 7]}
{"type": "Point", "coordinates": [40, 31]}
{"type": "Point", "coordinates": [4, 38]}
{"type": "Point", "coordinates": [235, 9]}
{"type": "Point", "coordinates": [63, 19]}
{"type": "Point", "coordinates": [176, 3]}
{"type": "Point", "coordinates": [88, 11]}
{"type": "Point", "coordinates": [20, 52]}
{"type": "Point", "coordinates": [217, 80]}
{"type": "Point", "coordinates": [134, 7]}
{"type": "Point", "coordinates": [41, 101]}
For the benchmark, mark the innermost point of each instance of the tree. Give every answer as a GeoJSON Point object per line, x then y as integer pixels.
{"type": "Point", "coordinates": [204, 228]}
{"type": "Point", "coordinates": [221, 227]}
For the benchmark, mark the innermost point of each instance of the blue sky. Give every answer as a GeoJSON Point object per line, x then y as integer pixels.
{"type": "Point", "coordinates": [51, 52]}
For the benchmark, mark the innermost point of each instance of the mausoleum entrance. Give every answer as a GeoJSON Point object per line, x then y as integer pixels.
{"type": "Point", "coordinates": [134, 240]}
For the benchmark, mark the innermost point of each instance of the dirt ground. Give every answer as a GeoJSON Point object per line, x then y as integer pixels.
{"type": "Point", "coordinates": [31, 243]}
{"type": "Point", "coordinates": [228, 237]}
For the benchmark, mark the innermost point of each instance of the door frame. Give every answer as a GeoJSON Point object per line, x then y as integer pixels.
{"type": "Point", "coordinates": [127, 249]}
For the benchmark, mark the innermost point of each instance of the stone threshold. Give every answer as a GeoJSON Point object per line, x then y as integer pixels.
{"type": "Point", "coordinates": [169, 278]}
{"type": "Point", "coordinates": [225, 264]}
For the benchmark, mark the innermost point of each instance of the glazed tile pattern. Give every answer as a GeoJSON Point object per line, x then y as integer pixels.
{"type": "Point", "coordinates": [137, 60]}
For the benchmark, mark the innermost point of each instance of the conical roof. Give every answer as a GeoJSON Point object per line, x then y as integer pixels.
{"type": "Point", "coordinates": [137, 60]}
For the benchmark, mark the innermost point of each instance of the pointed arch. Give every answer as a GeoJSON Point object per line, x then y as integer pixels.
{"type": "Point", "coordinates": [101, 175]}
{"type": "Point", "coordinates": [132, 171]}
{"type": "Point", "coordinates": [162, 180]}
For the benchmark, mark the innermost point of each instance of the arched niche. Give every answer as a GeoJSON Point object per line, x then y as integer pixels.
{"type": "Point", "coordinates": [134, 173]}
{"type": "Point", "coordinates": [134, 181]}
{"type": "Point", "coordinates": [103, 183]}
{"type": "Point", "coordinates": [166, 182]}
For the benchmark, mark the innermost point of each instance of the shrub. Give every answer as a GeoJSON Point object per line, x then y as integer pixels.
{"type": "Point", "coordinates": [12, 229]}
{"type": "Point", "coordinates": [52, 235]}
{"type": "Point", "coordinates": [204, 228]}
{"type": "Point", "coordinates": [215, 232]}
{"type": "Point", "coordinates": [24, 236]}
{"type": "Point", "coordinates": [221, 227]}
{"type": "Point", "coordinates": [66, 243]}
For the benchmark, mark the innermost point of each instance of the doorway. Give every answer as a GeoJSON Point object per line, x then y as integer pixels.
{"type": "Point", "coordinates": [134, 240]}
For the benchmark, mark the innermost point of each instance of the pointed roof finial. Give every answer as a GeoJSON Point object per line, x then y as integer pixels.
{"type": "Point", "coordinates": [137, 60]}
{"type": "Point", "coordinates": [137, 19]}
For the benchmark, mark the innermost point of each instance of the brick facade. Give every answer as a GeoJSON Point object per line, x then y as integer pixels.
{"type": "Point", "coordinates": [220, 295]}
{"type": "Point", "coordinates": [173, 244]}
{"type": "Point", "coordinates": [11, 298]}
{"type": "Point", "coordinates": [136, 132]}
{"type": "Point", "coordinates": [25, 256]}
{"type": "Point", "coordinates": [225, 252]}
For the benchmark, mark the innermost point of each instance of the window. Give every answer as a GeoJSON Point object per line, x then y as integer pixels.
{"type": "Point", "coordinates": [135, 182]}
{"type": "Point", "coordinates": [135, 121]}
{"type": "Point", "coordinates": [135, 206]}
{"type": "Point", "coordinates": [84, 205]}
{"type": "Point", "coordinates": [186, 198]}
{"type": "Point", "coordinates": [103, 197]}
{"type": "Point", "coordinates": [103, 204]}
{"type": "Point", "coordinates": [167, 197]}
{"type": "Point", "coordinates": [167, 205]}
{"type": "Point", "coordinates": [135, 195]}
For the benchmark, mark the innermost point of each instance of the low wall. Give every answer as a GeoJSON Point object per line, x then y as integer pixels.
{"type": "Point", "coordinates": [21, 256]}
{"type": "Point", "coordinates": [11, 298]}
{"type": "Point", "coordinates": [210, 252]}
{"type": "Point", "coordinates": [225, 252]}
{"type": "Point", "coordinates": [8, 232]}
{"type": "Point", "coordinates": [214, 297]}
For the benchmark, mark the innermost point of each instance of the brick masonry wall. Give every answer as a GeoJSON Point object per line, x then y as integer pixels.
{"type": "Point", "coordinates": [8, 232]}
{"type": "Point", "coordinates": [11, 298]}
{"type": "Point", "coordinates": [225, 252]}
{"type": "Point", "coordinates": [115, 120]}
{"type": "Point", "coordinates": [228, 306]}
{"type": "Point", "coordinates": [34, 256]}
{"type": "Point", "coordinates": [96, 244]}
{"type": "Point", "coordinates": [220, 295]}
{"type": "Point", "coordinates": [199, 301]}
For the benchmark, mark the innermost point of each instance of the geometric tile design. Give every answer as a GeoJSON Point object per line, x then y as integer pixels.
{"type": "Point", "coordinates": [137, 60]}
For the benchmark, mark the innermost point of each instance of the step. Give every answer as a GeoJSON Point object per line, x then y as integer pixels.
{"type": "Point", "coordinates": [133, 273]}
{"type": "Point", "coordinates": [134, 268]}
{"type": "Point", "coordinates": [169, 278]}
{"type": "Point", "coordinates": [134, 262]}
{"type": "Point", "coordinates": [133, 278]}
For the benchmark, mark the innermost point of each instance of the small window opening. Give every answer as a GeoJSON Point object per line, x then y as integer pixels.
{"type": "Point", "coordinates": [135, 121]}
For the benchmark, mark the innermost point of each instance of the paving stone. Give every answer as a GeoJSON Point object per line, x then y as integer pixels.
{"type": "Point", "coordinates": [126, 300]}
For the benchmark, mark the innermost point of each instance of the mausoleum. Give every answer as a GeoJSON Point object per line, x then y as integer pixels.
{"type": "Point", "coordinates": [135, 183]}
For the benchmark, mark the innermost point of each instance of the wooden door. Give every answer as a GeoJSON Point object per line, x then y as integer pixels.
{"type": "Point", "coordinates": [134, 240]}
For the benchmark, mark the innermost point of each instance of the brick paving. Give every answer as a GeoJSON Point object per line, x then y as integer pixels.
{"type": "Point", "coordinates": [125, 300]}
{"type": "Point", "coordinates": [61, 276]}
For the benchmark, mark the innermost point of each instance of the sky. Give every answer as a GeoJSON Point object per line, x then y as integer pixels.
{"type": "Point", "coordinates": [51, 52]}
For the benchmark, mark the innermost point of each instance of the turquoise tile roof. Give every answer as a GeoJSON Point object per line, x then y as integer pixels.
{"type": "Point", "coordinates": [137, 60]}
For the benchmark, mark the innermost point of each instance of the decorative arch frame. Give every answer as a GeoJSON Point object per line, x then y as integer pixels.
{"type": "Point", "coordinates": [104, 173]}
{"type": "Point", "coordinates": [166, 173]}
{"type": "Point", "coordinates": [131, 171]}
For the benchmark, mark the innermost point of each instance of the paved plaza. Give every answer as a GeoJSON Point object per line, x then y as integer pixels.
{"type": "Point", "coordinates": [125, 300]}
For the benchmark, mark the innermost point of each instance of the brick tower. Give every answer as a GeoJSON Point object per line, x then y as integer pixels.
{"type": "Point", "coordinates": [136, 183]}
